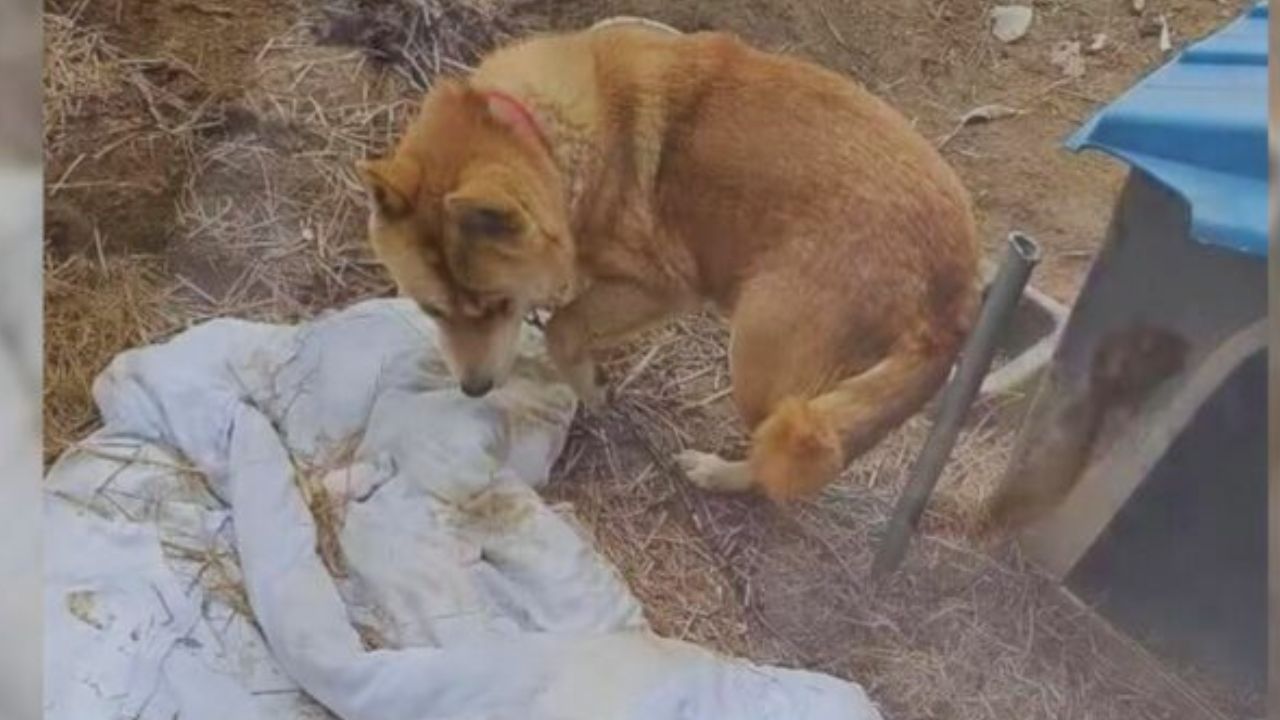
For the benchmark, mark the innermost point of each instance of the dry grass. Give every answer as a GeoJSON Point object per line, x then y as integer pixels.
{"type": "Point", "coordinates": [420, 39]}
{"type": "Point", "coordinates": [271, 213]}
{"type": "Point", "coordinates": [327, 509]}
{"type": "Point", "coordinates": [97, 303]}
{"type": "Point", "coordinates": [265, 220]}
{"type": "Point", "coordinates": [94, 308]}
{"type": "Point", "coordinates": [80, 68]}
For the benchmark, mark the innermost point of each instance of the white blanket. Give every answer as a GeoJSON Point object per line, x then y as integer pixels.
{"type": "Point", "coordinates": [188, 577]}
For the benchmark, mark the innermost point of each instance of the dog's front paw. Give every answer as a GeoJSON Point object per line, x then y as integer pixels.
{"type": "Point", "coordinates": [589, 385]}
{"type": "Point", "coordinates": [594, 397]}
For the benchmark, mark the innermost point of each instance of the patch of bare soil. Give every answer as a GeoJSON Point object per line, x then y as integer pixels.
{"type": "Point", "coordinates": [218, 41]}
{"type": "Point", "coordinates": [198, 157]}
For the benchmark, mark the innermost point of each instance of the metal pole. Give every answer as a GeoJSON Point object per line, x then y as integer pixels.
{"type": "Point", "coordinates": [975, 359]}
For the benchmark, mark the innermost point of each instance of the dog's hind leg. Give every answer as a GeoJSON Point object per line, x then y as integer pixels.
{"type": "Point", "coordinates": [715, 474]}
{"type": "Point", "coordinates": [822, 373]}
{"type": "Point", "coordinates": [804, 440]}
{"type": "Point", "coordinates": [805, 443]}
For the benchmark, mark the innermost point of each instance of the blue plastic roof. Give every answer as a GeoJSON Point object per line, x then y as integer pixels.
{"type": "Point", "coordinates": [1199, 125]}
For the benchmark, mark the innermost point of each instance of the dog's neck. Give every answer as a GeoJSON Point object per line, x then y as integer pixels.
{"type": "Point", "coordinates": [553, 80]}
{"type": "Point", "coordinates": [574, 148]}
{"type": "Point", "coordinates": [569, 137]}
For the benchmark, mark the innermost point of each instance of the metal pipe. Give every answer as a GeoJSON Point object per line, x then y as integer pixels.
{"type": "Point", "coordinates": [975, 360]}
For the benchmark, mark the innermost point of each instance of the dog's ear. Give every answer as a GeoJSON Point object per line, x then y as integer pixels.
{"type": "Point", "coordinates": [480, 216]}
{"type": "Point", "coordinates": [392, 184]}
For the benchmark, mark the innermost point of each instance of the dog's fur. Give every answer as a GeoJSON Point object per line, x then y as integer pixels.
{"type": "Point", "coordinates": [626, 174]}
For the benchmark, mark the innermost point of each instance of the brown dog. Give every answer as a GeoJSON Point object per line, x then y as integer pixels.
{"type": "Point", "coordinates": [626, 174]}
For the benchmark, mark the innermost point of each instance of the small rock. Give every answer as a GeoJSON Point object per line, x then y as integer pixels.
{"type": "Point", "coordinates": [1010, 22]}
{"type": "Point", "coordinates": [981, 114]}
{"type": "Point", "coordinates": [1097, 44]}
{"type": "Point", "coordinates": [1166, 37]}
{"type": "Point", "coordinates": [987, 113]}
{"type": "Point", "coordinates": [1138, 6]}
{"type": "Point", "coordinates": [1067, 58]}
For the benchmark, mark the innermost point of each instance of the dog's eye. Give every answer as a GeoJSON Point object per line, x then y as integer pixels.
{"type": "Point", "coordinates": [431, 311]}
{"type": "Point", "coordinates": [487, 223]}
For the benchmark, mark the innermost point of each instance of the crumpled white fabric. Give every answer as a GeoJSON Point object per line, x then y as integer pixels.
{"type": "Point", "coordinates": [479, 601]}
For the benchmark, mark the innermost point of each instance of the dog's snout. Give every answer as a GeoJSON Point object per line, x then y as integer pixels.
{"type": "Point", "coordinates": [476, 388]}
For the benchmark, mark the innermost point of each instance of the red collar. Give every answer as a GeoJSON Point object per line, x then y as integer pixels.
{"type": "Point", "coordinates": [515, 112]}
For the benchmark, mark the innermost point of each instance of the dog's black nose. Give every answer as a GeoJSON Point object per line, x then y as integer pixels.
{"type": "Point", "coordinates": [476, 388]}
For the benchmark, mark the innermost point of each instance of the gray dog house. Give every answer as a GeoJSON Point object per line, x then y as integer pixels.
{"type": "Point", "coordinates": [1163, 528]}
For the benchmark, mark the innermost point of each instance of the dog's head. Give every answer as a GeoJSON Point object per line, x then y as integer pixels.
{"type": "Point", "coordinates": [469, 216]}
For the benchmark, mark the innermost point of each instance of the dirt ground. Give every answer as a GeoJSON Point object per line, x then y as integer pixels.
{"type": "Point", "coordinates": [198, 162]}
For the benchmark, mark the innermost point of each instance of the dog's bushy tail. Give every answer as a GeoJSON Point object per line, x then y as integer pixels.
{"type": "Point", "coordinates": [805, 443]}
